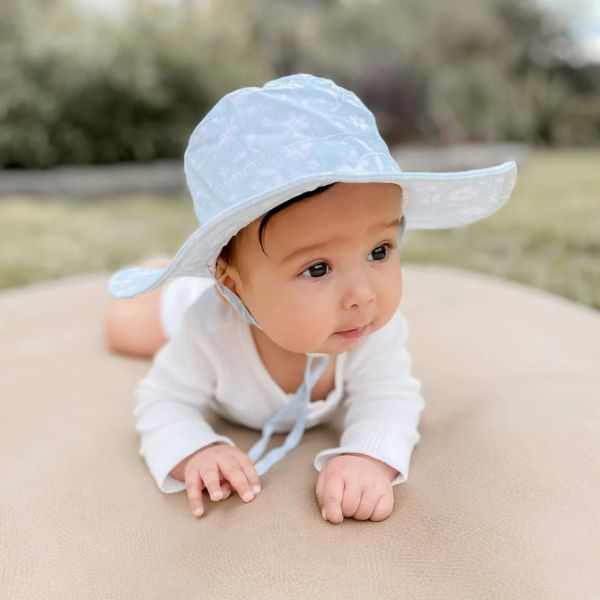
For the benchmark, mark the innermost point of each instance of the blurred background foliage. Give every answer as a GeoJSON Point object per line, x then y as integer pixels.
{"type": "Point", "coordinates": [79, 88]}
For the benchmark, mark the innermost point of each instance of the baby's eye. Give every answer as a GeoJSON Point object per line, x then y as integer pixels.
{"type": "Point", "coordinates": [380, 251]}
{"type": "Point", "coordinates": [318, 269]}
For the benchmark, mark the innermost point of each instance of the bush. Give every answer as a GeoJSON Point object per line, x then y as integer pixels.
{"type": "Point", "coordinates": [78, 88]}
{"type": "Point", "coordinates": [82, 89]}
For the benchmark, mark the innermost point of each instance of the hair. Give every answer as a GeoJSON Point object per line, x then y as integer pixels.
{"type": "Point", "coordinates": [227, 250]}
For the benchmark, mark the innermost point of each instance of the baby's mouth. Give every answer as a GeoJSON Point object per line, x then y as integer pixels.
{"type": "Point", "coordinates": [353, 333]}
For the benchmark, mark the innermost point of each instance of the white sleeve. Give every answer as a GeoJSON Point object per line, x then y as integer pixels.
{"type": "Point", "coordinates": [383, 401]}
{"type": "Point", "coordinates": [170, 400]}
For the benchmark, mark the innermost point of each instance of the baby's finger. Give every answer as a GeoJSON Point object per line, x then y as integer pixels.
{"type": "Point", "coordinates": [249, 470]}
{"type": "Point", "coordinates": [226, 487]}
{"type": "Point", "coordinates": [210, 476]}
{"type": "Point", "coordinates": [194, 492]}
{"type": "Point", "coordinates": [236, 476]}
{"type": "Point", "coordinates": [332, 499]}
{"type": "Point", "coordinates": [383, 508]}
{"type": "Point", "coordinates": [319, 488]}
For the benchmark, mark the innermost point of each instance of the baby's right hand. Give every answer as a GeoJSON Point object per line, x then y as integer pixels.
{"type": "Point", "coordinates": [205, 467]}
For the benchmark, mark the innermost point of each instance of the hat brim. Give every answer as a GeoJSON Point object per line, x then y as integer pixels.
{"type": "Point", "coordinates": [430, 201]}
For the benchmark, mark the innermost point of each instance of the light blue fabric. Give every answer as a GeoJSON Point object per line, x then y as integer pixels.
{"type": "Point", "coordinates": [260, 146]}
{"type": "Point", "coordinates": [298, 405]}
{"type": "Point", "coordinates": [237, 303]}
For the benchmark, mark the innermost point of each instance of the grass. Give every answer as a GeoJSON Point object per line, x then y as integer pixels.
{"type": "Point", "coordinates": [547, 236]}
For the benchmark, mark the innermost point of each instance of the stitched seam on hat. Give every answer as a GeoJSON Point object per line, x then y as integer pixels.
{"type": "Point", "coordinates": [304, 141]}
{"type": "Point", "coordinates": [234, 209]}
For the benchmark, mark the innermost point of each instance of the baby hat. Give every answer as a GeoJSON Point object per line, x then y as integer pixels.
{"type": "Point", "coordinates": [260, 146]}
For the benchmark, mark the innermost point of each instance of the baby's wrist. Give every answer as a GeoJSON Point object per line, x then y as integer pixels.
{"type": "Point", "coordinates": [389, 472]}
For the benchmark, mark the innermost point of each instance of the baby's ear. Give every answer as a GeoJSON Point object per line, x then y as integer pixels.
{"type": "Point", "coordinates": [224, 279]}
{"type": "Point", "coordinates": [220, 294]}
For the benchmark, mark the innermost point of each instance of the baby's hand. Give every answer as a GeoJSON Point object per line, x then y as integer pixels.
{"type": "Point", "coordinates": [205, 467]}
{"type": "Point", "coordinates": [358, 486]}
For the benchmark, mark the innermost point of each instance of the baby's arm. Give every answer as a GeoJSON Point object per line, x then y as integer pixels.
{"type": "Point", "coordinates": [383, 402]}
{"type": "Point", "coordinates": [170, 399]}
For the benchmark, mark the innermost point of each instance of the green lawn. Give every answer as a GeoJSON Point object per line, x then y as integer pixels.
{"type": "Point", "coordinates": [547, 236]}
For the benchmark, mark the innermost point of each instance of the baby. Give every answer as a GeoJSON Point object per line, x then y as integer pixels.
{"type": "Point", "coordinates": [252, 307]}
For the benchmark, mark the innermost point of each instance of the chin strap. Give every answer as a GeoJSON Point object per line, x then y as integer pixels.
{"type": "Point", "coordinates": [296, 406]}
{"type": "Point", "coordinates": [237, 303]}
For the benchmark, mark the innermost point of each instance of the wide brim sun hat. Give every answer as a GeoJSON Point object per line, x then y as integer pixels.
{"type": "Point", "coordinates": [260, 146]}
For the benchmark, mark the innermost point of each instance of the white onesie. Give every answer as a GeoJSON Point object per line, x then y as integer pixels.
{"type": "Point", "coordinates": [210, 361]}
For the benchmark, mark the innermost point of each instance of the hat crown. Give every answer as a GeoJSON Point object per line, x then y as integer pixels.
{"type": "Point", "coordinates": [259, 138]}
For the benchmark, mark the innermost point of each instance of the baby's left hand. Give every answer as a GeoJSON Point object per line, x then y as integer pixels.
{"type": "Point", "coordinates": [355, 485]}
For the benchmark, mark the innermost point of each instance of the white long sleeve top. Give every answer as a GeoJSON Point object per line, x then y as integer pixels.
{"type": "Point", "coordinates": [211, 362]}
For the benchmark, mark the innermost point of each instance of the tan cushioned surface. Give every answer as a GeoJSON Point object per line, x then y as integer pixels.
{"type": "Point", "coordinates": [502, 500]}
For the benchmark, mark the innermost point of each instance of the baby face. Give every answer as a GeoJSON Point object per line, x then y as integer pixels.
{"type": "Point", "coordinates": [327, 266]}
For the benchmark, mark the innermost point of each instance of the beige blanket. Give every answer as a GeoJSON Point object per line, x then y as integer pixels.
{"type": "Point", "coordinates": [503, 498]}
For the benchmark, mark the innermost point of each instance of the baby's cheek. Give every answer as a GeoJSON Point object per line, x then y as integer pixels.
{"type": "Point", "coordinates": [393, 290]}
{"type": "Point", "coordinates": [303, 332]}
{"type": "Point", "coordinates": [389, 301]}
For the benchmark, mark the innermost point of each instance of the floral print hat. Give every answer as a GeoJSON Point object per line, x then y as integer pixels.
{"type": "Point", "coordinates": [260, 146]}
